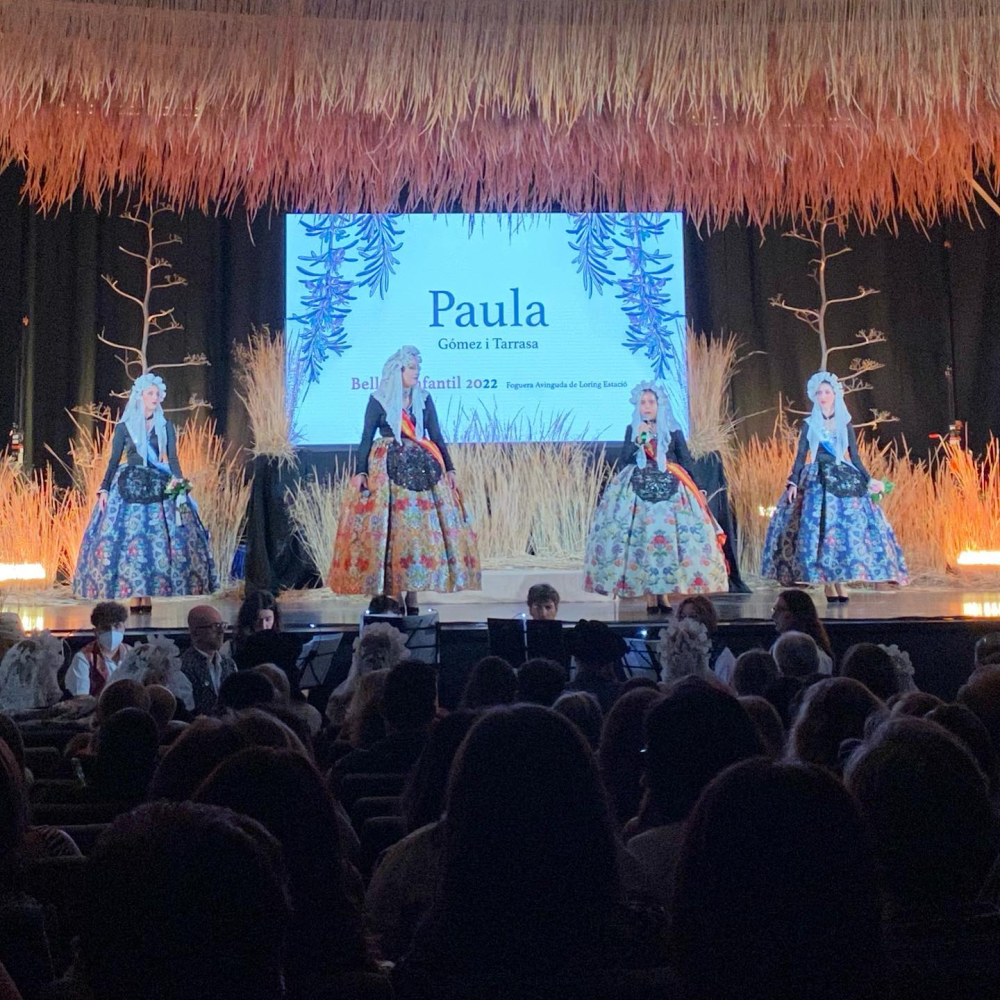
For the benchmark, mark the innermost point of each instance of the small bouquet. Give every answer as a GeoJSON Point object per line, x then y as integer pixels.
{"type": "Point", "coordinates": [888, 487]}
{"type": "Point", "coordinates": [177, 488]}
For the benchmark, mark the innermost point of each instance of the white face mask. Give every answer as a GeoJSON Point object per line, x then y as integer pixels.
{"type": "Point", "coordinates": [110, 640]}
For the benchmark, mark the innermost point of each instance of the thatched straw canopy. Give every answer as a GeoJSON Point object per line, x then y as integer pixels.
{"type": "Point", "coordinates": [885, 107]}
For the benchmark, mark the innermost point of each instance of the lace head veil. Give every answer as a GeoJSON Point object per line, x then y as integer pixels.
{"type": "Point", "coordinates": [390, 391]}
{"type": "Point", "coordinates": [841, 418]}
{"type": "Point", "coordinates": [134, 417]}
{"type": "Point", "coordinates": [666, 422]}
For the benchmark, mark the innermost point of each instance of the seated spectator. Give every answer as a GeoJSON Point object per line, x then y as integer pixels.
{"type": "Point", "coordinates": [796, 655]}
{"type": "Point", "coordinates": [685, 650]}
{"type": "Point", "coordinates": [926, 804]}
{"type": "Point", "coordinates": [584, 711]}
{"type": "Point", "coordinates": [28, 674]}
{"type": "Point", "coordinates": [185, 902]}
{"type": "Point", "coordinates": [379, 647]}
{"type": "Point", "coordinates": [259, 612]}
{"type": "Point", "coordinates": [203, 663]}
{"type": "Point", "coordinates": [988, 651]}
{"type": "Point", "coordinates": [834, 712]}
{"type": "Point", "coordinates": [540, 682]}
{"type": "Point", "coordinates": [767, 722]}
{"type": "Point", "coordinates": [754, 670]}
{"type": "Point", "coordinates": [162, 709]}
{"type": "Point", "coordinates": [158, 661]}
{"type": "Point", "coordinates": [290, 701]}
{"type": "Point", "coordinates": [695, 731]}
{"type": "Point", "coordinates": [965, 726]}
{"type": "Point", "coordinates": [403, 885]}
{"type": "Point", "coordinates": [597, 653]}
{"type": "Point", "coordinates": [543, 602]}
{"type": "Point", "coordinates": [794, 611]}
{"type": "Point", "coordinates": [701, 609]}
{"type": "Point", "coordinates": [118, 695]}
{"type": "Point", "coordinates": [915, 703]}
{"type": "Point", "coordinates": [92, 667]}
{"type": "Point", "coordinates": [781, 692]}
{"type": "Point", "coordinates": [205, 744]}
{"type": "Point", "coordinates": [491, 682]}
{"type": "Point", "coordinates": [776, 890]}
{"type": "Point", "coordinates": [620, 759]}
{"type": "Point", "coordinates": [244, 689]}
{"type": "Point", "coordinates": [126, 755]}
{"type": "Point", "coordinates": [363, 724]}
{"type": "Point", "coordinates": [409, 707]}
{"type": "Point", "coordinates": [873, 667]}
{"type": "Point", "coordinates": [981, 694]}
{"type": "Point", "coordinates": [286, 795]}
{"type": "Point", "coordinates": [514, 904]}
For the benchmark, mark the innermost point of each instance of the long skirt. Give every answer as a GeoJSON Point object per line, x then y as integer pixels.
{"type": "Point", "coordinates": [144, 550]}
{"type": "Point", "coordinates": [410, 531]}
{"type": "Point", "coordinates": [825, 538]}
{"type": "Point", "coordinates": [641, 544]}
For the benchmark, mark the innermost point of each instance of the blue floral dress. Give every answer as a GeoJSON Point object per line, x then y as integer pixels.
{"type": "Point", "coordinates": [157, 549]}
{"type": "Point", "coordinates": [833, 532]}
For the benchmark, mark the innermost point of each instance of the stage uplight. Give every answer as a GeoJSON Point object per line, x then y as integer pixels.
{"type": "Point", "coordinates": [975, 557]}
{"type": "Point", "coordinates": [766, 511]}
{"type": "Point", "coordinates": [18, 572]}
{"type": "Point", "coordinates": [981, 609]}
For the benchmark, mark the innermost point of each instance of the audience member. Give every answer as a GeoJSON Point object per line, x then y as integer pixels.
{"type": "Point", "coordinates": [872, 666]}
{"type": "Point", "coordinates": [206, 743]}
{"type": "Point", "coordinates": [767, 722]}
{"type": "Point", "coordinates": [162, 709]}
{"type": "Point", "coordinates": [290, 700]}
{"type": "Point", "coordinates": [379, 647]}
{"type": "Point", "coordinates": [185, 902]}
{"type": "Point", "coordinates": [28, 674]}
{"type": "Point", "coordinates": [127, 748]}
{"type": "Point", "coordinates": [92, 667]}
{"type": "Point", "coordinates": [780, 693]}
{"type": "Point", "coordinates": [620, 759]}
{"type": "Point", "coordinates": [834, 712]}
{"type": "Point", "coordinates": [981, 694]}
{"type": "Point", "coordinates": [259, 612]}
{"type": "Point", "coordinates": [244, 689]}
{"type": "Point", "coordinates": [915, 703]}
{"type": "Point", "coordinates": [158, 661]}
{"type": "Point", "coordinates": [597, 653]}
{"type": "Point", "coordinates": [965, 726]}
{"type": "Point", "coordinates": [543, 602]}
{"type": "Point", "coordinates": [115, 696]}
{"type": "Point", "coordinates": [695, 731]}
{"type": "Point", "coordinates": [701, 609]}
{"type": "Point", "coordinates": [491, 682]}
{"type": "Point", "coordinates": [202, 662]}
{"type": "Point", "coordinates": [988, 650]}
{"type": "Point", "coordinates": [685, 650]}
{"type": "Point", "coordinates": [796, 654]}
{"type": "Point", "coordinates": [363, 724]}
{"type": "Point", "coordinates": [530, 884]}
{"type": "Point", "coordinates": [540, 682]}
{"type": "Point", "coordinates": [794, 611]}
{"type": "Point", "coordinates": [283, 792]}
{"type": "Point", "coordinates": [584, 710]}
{"type": "Point", "coordinates": [754, 670]}
{"type": "Point", "coordinates": [776, 889]}
{"type": "Point", "coordinates": [409, 707]}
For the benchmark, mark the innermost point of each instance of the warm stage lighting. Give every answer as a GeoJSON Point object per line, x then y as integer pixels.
{"type": "Point", "coordinates": [766, 511]}
{"type": "Point", "coordinates": [9, 572]}
{"type": "Point", "coordinates": [973, 557]}
{"type": "Point", "coordinates": [985, 609]}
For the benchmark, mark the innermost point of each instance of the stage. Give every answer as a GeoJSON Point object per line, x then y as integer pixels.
{"type": "Point", "coordinates": [937, 625]}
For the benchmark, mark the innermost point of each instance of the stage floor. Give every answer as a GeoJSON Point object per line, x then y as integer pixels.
{"type": "Point", "coordinates": [320, 609]}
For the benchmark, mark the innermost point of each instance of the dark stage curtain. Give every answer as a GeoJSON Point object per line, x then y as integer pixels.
{"type": "Point", "coordinates": [939, 305]}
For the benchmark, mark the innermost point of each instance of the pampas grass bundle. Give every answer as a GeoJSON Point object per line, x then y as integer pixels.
{"type": "Point", "coordinates": [314, 506]}
{"type": "Point", "coordinates": [711, 364]}
{"type": "Point", "coordinates": [269, 392]}
{"type": "Point", "coordinates": [30, 513]}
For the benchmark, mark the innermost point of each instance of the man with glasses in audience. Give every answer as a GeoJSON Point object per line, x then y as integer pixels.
{"type": "Point", "coordinates": [203, 663]}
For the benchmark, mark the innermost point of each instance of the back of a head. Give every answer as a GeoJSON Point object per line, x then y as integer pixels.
{"type": "Point", "coordinates": [916, 704]}
{"type": "Point", "coordinates": [693, 733]}
{"type": "Point", "coordinates": [192, 757]}
{"type": "Point", "coordinates": [423, 796]}
{"type": "Point", "coordinates": [776, 891]}
{"type": "Point", "coordinates": [966, 726]}
{"type": "Point", "coordinates": [363, 722]}
{"type": "Point", "coordinates": [594, 646]}
{"type": "Point", "coordinates": [781, 692]}
{"type": "Point", "coordinates": [981, 693]}
{"type": "Point", "coordinates": [767, 722]}
{"type": "Point", "coordinates": [262, 728]}
{"type": "Point", "coordinates": [409, 701]}
{"type": "Point", "coordinates": [380, 646]}
{"type": "Point", "coordinates": [796, 654]}
{"type": "Point", "coordinates": [540, 682]}
{"type": "Point", "coordinates": [620, 758]}
{"type": "Point", "coordinates": [584, 711]}
{"type": "Point", "coordinates": [279, 681]}
{"type": "Point", "coordinates": [184, 902]}
{"type": "Point", "coordinates": [121, 694]}
{"type": "Point", "coordinates": [162, 705]}
{"type": "Point", "coordinates": [11, 734]}
{"type": "Point", "coordinates": [833, 711]}
{"type": "Point", "coordinates": [127, 752]}
{"type": "Point", "coordinates": [13, 812]}
{"type": "Point", "coordinates": [491, 682]}
{"type": "Point", "coordinates": [754, 670]}
{"type": "Point", "coordinates": [872, 666]}
{"type": "Point", "coordinates": [988, 650]}
{"type": "Point", "coordinates": [245, 689]}
{"type": "Point", "coordinates": [927, 807]}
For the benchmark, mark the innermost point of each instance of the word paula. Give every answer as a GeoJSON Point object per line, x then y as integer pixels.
{"type": "Point", "coordinates": [485, 313]}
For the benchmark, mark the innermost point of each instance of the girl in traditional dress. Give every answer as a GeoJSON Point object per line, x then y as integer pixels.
{"type": "Point", "coordinates": [652, 533]}
{"type": "Point", "coordinates": [144, 537]}
{"type": "Point", "coordinates": [403, 527]}
{"type": "Point", "coordinates": [827, 528]}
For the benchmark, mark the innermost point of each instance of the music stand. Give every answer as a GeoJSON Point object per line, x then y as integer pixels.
{"type": "Point", "coordinates": [520, 639]}
{"type": "Point", "coordinates": [316, 659]}
{"type": "Point", "coordinates": [507, 639]}
{"type": "Point", "coordinates": [642, 655]}
{"type": "Point", "coordinates": [547, 640]}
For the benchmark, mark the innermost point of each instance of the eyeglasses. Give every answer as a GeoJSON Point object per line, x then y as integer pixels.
{"type": "Point", "coordinates": [211, 627]}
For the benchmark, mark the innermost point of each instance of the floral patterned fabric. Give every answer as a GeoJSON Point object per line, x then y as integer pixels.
{"type": "Point", "coordinates": [140, 550]}
{"type": "Point", "coordinates": [397, 539]}
{"type": "Point", "coordinates": [823, 538]}
{"type": "Point", "coordinates": [636, 547]}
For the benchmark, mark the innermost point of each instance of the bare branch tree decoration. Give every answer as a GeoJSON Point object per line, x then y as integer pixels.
{"type": "Point", "coordinates": [158, 276]}
{"type": "Point", "coordinates": [815, 317]}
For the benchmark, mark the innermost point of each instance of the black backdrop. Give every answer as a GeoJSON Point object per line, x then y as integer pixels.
{"type": "Point", "coordinates": [939, 305]}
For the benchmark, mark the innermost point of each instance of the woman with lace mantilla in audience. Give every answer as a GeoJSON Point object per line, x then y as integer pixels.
{"type": "Point", "coordinates": [652, 534]}
{"type": "Point", "coordinates": [827, 528]}
{"type": "Point", "coordinates": [145, 537]}
{"type": "Point", "coordinates": [403, 527]}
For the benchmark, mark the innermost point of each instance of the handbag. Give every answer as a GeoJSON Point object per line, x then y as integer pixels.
{"type": "Point", "coordinates": [842, 479]}
{"type": "Point", "coordinates": [142, 484]}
